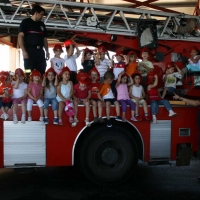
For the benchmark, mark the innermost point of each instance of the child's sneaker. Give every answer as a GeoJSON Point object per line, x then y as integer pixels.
{"type": "Point", "coordinates": [118, 118]}
{"type": "Point", "coordinates": [123, 119]}
{"type": "Point", "coordinates": [109, 124]}
{"type": "Point", "coordinates": [55, 120]}
{"type": "Point", "coordinates": [71, 120]}
{"type": "Point", "coordinates": [2, 116]}
{"type": "Point", "coordinates": [29, 119]}
{"type": "Point", "coordinates": [87, 123]}
{"type": "Point", "coordinates": [133, 119]}
{"type": "Point", "coordinates": [95, 120]}
{"type": "Point", "coordinates": [101, 120]}
{"type": "Point", "coordinates": [23, 119]}
{"type": "Point", "coordinates": [155, 120]}
{"type": "Point", "coordinates": [75, 122]}
{"type": "Point", "coordinates": [172, 113]}
{"type": "Point", "coordinates": [41, 119]}
{"type": "Point", "coordinates": [60, 122]}
{"type": "Point", "coordinates": [139, 119]}
{"type": "Point", "coordinates": [15, 120]}
{"type": "Point", "coordinates": [5, 116]}
{"type": "Point", "coordinates": [46, 120]}
{"type": "Point", "coordinates": [147, 118]}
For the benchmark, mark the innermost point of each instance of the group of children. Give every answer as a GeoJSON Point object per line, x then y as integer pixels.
{"type": "Point", "coordinates": [100, 83]}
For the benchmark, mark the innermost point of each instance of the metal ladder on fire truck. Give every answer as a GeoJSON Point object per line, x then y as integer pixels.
{"type": "Point", "coordinates": [86, 17]}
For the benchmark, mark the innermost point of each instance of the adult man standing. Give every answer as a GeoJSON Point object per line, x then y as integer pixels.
{"type": "Point", "coordinates": [193, 103]}
{"type": "Point", "coordinates": [32, 39]}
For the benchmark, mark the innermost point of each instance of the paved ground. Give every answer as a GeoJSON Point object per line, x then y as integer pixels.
{"type": "Point", "coordinates": [161, 182]}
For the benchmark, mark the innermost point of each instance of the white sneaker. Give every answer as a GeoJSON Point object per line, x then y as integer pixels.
{"type": "Point", "coordinates": [29, 119]}
{"type": "Point", "coordinates": [179, 83]}
{"type": "Point", "coordinates": [75, 122]}
{"type": "Point", "coordinates": [155, 121]}
{"type": "Point", "coordinates": [41, 119]}
{"type": "Point", "coordinates": [15, 120]}
{"type": "Point", "coordinates": [23, 119]}
{"type": "Point", "coordinates": [5, 116]}
{"type": "Point", "coordinates": [87, 123]}
{"type": "Point", "coordinates": [172, 113]}
{"type": "Point", "coordinates": [2, 116]}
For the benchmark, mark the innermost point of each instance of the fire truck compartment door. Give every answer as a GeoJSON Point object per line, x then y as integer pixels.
{"type": "Point", "coordinates": [24, 144]}
{"type": "Point", "coordinates": [160, 140]}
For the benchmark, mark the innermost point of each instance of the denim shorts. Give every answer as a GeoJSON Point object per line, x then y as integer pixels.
{"type": "Point", "coordinates": [171, 89]}
{"type": "Point", "coordinates": [52, 101]}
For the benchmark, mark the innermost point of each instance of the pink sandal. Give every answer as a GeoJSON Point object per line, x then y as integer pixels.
{"type": "Point", "coordinates": [71, 120]}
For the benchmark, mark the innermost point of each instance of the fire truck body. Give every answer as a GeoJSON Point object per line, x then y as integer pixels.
{"type": "Point", "coordinates": [103, 154]}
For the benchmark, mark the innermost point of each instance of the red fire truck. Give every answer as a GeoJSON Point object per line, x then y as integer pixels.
{"type": "Point", "coordinates": [107, 155]}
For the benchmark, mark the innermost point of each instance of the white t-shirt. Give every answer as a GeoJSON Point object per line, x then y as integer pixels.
{"type": "Point", "coordinates": [58, 64]}
{"type": "Point", "coordinates": [103, 67]}
{"type": "Point", "coordinates": [20, 91]}
{"type": "Point", "coordinates": [171, 79]}
{"type": "Point", "coordinates": [137, 91]}
{"type": "Point", "coordinates": [143, 70]}
{"type": "Point", "coordinates": [71, 62]}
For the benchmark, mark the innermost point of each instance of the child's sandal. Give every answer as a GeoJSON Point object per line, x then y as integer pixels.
{"type": "Point", "coordinates": [75, 122]}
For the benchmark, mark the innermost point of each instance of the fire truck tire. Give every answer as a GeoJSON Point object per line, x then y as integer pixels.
{"type": "Point", "coordinates": [108, 155]}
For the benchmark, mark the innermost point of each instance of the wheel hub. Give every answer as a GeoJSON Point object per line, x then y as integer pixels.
{"type": "Point", "coordinates": [110, 156]}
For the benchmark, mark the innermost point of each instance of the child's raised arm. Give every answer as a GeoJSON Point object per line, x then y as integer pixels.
{"type": "Point", "coordinates": [153, 84]}
{"type": "Point", "coordinates": [131, 80]}
{"type": "Point", "coordinates": [44, 80]}
{"type": "Point", "coordinates": [78, 52]}
{"type": "Point", "coordinates": [56, 81]}
{"type": "Point", "coordinates": [16, 85]}
{"type": "Point", "coordinates": [83, 57]}
{"type": "Point", "coordinates": [112, 61]}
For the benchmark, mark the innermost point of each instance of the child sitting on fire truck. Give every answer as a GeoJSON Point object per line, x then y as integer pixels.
{"type": "Point", "coordinates": [6, 93]}
{"type": "Point", "coordinates": [19, 95]}
{"type": "Point", "coordinates": [82, 94]}
{"type": "Point", "coordinates": [106, 94]}
{"type": "Point", "coordinates": [49, 83]}
{"type": "Point", "coordinates": [95, 101]}
{"type": "Point", "coordinates": [64, 92]}
{"type": "Point", "coordinates": [35, 94]}
{"type": "Point", "coordinates": [153, 97]}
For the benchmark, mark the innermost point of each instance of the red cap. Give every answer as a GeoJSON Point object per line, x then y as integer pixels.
{"type": "Point", "coordinates": [150, 78]}
{"type": "Point", "coordinates": [119, 53]}
{"type": "Point", "coordinates": [58, 46]}
{"type": "Point", "coordinates": [132, 53]}
{"type": "Point", "coordinates": [193, 48]}
{"type": "Point", "coordinates": [145, 49]}
{"type": "Point", "coordinates": [94, 69]}
{"type": "Point", "coordinates": [83, 78]}
{"type": "Point", "coordinates": [35, 73]}
{"type": "Point", "coordinates": [20, 72]}
{"type": "Point", "coordinates": [170, 65]}
{"type": "Point", "coordinates": [50, 70]}
{"type": "Point", "coordinates": [67, 43]}
{"type": "Point", "coordinates": [102, 49]}
{"type": "Point", "coordinates": [3, 76]}
{"type": "Point", "coordinates": [64, 69]}
{"type": "Point", "coordinates": [86, 50]}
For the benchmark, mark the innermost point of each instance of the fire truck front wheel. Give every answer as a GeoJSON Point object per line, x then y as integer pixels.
{"type": "Point", "coordinates": [108, 155]}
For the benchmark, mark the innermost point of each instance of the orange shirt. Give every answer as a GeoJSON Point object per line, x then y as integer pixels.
{"type": "Point", "coordinates": [131, 68]}
{"type": "Point", "coordinates": [105, 91]}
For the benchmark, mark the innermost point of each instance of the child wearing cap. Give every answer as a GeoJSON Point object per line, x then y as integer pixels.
{"type": "Point", "coordinates": [102, 63]}
{"type": "Point", "coordinates": [70, 58]}
{"type": "Point", "coordinates": [131, 63]}
{"type": "Point", "coordinates": [19, 95]}
{"type": "Point", "coordinates": [35, 94]}
{"type": "Point", "coordinates": [86, 61]}
{"type": "Point", "coordinates": [82, 94]}
{"type": "Point", "coordinates": [49, 84]}
{"type": "Point", "coordinates": [154, 99]}
{"type": "Point", "coordinates": [6, 93]}
{"type": "Point", "coordinates": [64, 92]}
{"type": "Point", "coordinates": [57, 63]}
{"type": "Point", "coordinates": [95, 101]}
{"type": "Point", "coordinates": [106, 94]}
{"type": "Point", "coordinates": [137, 95]}
{"type": "Point", "coordinates": [170, 78]}
{"type": "Point", "coordinates": [123, 95]}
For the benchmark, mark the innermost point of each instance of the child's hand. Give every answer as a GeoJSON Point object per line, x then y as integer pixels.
{"type": "Point", "coordinates": [176, 96]}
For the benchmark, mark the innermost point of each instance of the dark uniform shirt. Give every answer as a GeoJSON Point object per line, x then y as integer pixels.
{"type": "Point", "coordinates": [87, 65]}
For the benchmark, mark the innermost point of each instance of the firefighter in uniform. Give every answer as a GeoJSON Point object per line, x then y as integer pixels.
{"type": "Point", "coordinates": [194, 103]}
{"type": "Point", "coordinates": [32, 39]}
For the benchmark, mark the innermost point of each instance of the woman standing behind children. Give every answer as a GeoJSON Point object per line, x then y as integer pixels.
{"type": "Point", "coordinates": [64, 92]}
{"type": "Point", "coordinates": [95, 101]}
{"type": "Point", "coordinates": [82, 94]}
{"type": "Point", "coordinates": [6, 93]}
{"type": "Point", "coordinates": [19, 95]}
{"type": "Point", "coordinates": [154, 99]}
{"type": "Point", "coordinates": [123, 95]}
{"type": "Point", "coordinates": [49, 83]}
{"type": "Point", "coordinates": [35, 94]}
{"type": "Point", "coordinates": [86, 60]}
{"type": "Point", "coordinates": [131, 63]}
{"type": "Point", "coordinates": [57, 63]}
{"type": "Point", "coordinates": [137, 94]}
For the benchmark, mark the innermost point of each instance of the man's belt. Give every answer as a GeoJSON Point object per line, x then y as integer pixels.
{"type": "Point", "coordinates": [34, 46]}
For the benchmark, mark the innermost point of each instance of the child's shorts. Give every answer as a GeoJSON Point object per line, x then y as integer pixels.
{"type": "Point", "coordinates": [30, 104]}
{"type": "Point", "coordinates": [95, 99]}
{"type": "Point", "coordinates": [16, 101]}
{"type": "Point", "coordinates": [112, 101]}
{"type": "Point", "coordinates": [140, 102]}
{"type": "Point", "coordinates": [193, 67]}
{"type": "Point", "coordinates": [52, 101]}
{"type": "Point", "coordinates": [3, 104]}
{"type": "Point", "coordinates": [171, 89]}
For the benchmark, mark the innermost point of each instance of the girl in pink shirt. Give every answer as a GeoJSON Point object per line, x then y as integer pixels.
{"type": "Point", "coordinates": [123, 95]}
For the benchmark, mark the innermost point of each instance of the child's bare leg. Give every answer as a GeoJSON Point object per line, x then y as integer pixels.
{"type": "Point", "coordinates": [94, 108]}
{"type": "Point", "coordinates": [15, 108]}
{"type": "Point", "coordinates": [117, 108]}
{"type": "Point", "coordinates": [136, 107]}
{"type": "Point", "coordinates": [100, 108]}
{"type": "Point", "coordinates": [108, 109]}
{"type": "Point", "coordinates": [55, 112]}
{"type": "Point", "coordinates": [132, 113]}
{"type": "Point", "coordinates": [87, 108]}
{"type": "Point", "coordinates": [60, 109]}
{"type": "Point", "coordinates": [145, 107]}
{"type": "Point", "coordinates": [41, 111]}
{"type": "Point", "coordinates": [45, 112]}
{"type": "Point", "coordinates": [29, 113]}
{"type": "Point", "coordinates": [164, 92]}
{"type": "Point", "coordinates": [23, 108]}
{"type": "Point", "coordinates": [76, 108]}
{"type": "Point", "coordinates": [123, 114]}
